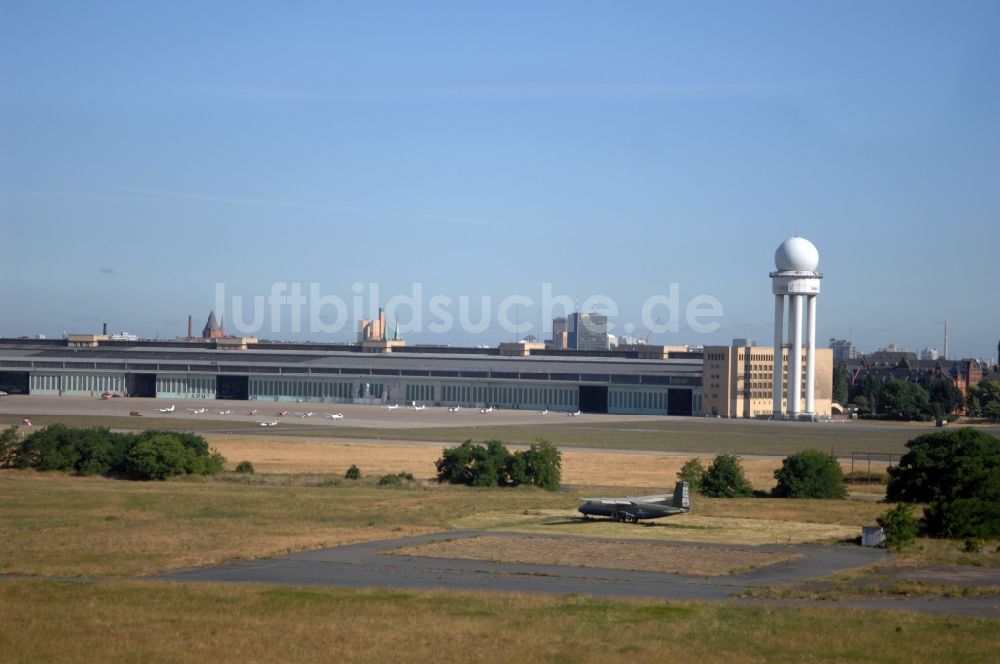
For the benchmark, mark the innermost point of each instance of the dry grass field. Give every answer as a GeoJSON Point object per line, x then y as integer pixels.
{"type": "Point", "coordinates": [600, 553]}
{"type": "Point", "coordinates": [580, 467]}
{"type": "Point", "coordinates": [56, 524]}
{"type": "Point", "coordinates": [83, 621]}
{"type": "Point", "coordinates": [53, 524]}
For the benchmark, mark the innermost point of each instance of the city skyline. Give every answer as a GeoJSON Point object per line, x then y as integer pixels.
{"type": "Point", "coordinates": [153, 152]}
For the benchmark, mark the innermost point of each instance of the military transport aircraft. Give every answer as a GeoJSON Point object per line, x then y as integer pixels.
{"type": "Point", "coordinates": [640, 507]}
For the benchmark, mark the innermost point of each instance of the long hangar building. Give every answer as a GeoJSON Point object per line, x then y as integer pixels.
{"type": "Point", "coordinates": [643, 381]}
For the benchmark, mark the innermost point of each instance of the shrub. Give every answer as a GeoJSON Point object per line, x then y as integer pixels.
{"type": "Point", "coordinates": [474, 464]}
{"type": "Point", "coordinates": [8, 447]}
{"type": "Point", "coordinates": [540, 465]}
{"type": "Point", "coordinates": [899, 525]}
{"type": "Point", "coordinates": [157, 458]}
{"type": "Point", "coordinates": [724, 478]}
{"type": "Point", "coordinates": [353, 473]}
{"type": "Point", "coordinates": [810, 474]}
{"type": "Point", "coordinates": [391, 480]}
{"type": "Point", "coordinates": [693, 473]}
{"type": "Point", "coordinates": [244, 467]}
{"type": "Point", "coordinates": [98, 451]}
{"type": "Point", "coordinates": [492, 464]}
{"type": "Point", "coordinates": [957, 473]}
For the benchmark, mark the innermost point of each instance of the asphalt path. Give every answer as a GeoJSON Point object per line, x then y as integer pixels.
{"type": "Point", "coordinates": [371, 564]}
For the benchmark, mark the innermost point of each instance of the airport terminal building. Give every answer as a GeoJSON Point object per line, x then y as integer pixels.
{"type": "Point", "coordinates": [522, 377]}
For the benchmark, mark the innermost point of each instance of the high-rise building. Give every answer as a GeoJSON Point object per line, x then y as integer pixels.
{"type": "Point", "coordinates": [372, 329]}
{"type": "Point", "coordinates": [587, 331]}
{"type": "Point", "coordinates": [929, 354]}
{"type": "Point", "coordinates": [843, 350]}
{"type": "Point", "coordinates": [560, 335]}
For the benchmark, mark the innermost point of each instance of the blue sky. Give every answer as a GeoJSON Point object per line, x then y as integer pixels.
{"type": "Point", "coordinates": [153, 150]}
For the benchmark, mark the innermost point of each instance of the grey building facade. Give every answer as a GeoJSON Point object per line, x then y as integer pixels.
{"type": "Point", "coordinates": [563, 381]}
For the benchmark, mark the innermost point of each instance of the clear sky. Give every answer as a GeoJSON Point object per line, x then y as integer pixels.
{"type": "Point", "coordinates": [149, 151]}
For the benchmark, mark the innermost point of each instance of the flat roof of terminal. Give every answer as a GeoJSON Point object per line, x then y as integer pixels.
{"type": "Point", "coordinates": [235, 360]}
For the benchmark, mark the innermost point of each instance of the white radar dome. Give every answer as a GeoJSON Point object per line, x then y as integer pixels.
{"type": "Point", "coordinates": [796, 254]}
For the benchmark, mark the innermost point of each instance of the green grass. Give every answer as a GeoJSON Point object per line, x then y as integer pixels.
{"type": "Point", "coordinates": [154, 621]}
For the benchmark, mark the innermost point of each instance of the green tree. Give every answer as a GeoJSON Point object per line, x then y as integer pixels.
{"type": "Point", "coordinates": [353, 473]}
{"type": "Point", "coordinates": [957, 474]}
{"type": "Point", "coordinates": [157, 458]}
{"type": "Point", "coordinates": [840, 394]}
{"type": "Point", "coordinates": [692, 472]}
{"type": "Point", "coordinates": [245, 467]}
{"type": "Point", "coordinates": [899, 525]}
{"type": "Point", "coordinates": [491, 464]}
{"type": "Point", "coordinates": [724, 478]}
{"type": "Point", "coordinates": [984, 399]}
{"type": "Point", "coordinates": [540, 465]}
{"type": "Point", "coordinates": [904, 400]}
{"type": "Point", "coordinates": [9, 442]}
{"type": "Point", "coordinates": [871, 390]}
{"type": "Point", "coordinates": [810, 474]}
{"type": "Point", "coordinates": [942, 392]}
{"type": "Point", "coordinates": [475, 464]}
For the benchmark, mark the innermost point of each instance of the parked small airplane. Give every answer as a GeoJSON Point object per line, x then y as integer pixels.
{"type": "Point", "coordinates": [269, 423]}
{"type": "Point", "coordinates": [224, 412]}
{"type": "Point", "coordinates": [197, 411]}
{"type": "Point", "coordinates": [167, 410]}
{"type": "Point", "coordinates": [306, 414]}
{"type": "Point", "coordinates": [282, 413]}
{"type": "Point", "coordinates": [252, 411]}
{"type": "Point", "coordinates": [392, 406]}
{"type": "Point", "coordinates": [336, 416]}
{"type": "Point", "coordinates": [486, 410]}
{"type": "Point", "coordinates": [639, 507]}
{"type": "Point", "coordinates": [420, 407]}
{"type": "Point", "coordinates": [573, 414]}
{"type": "Point", "coordinates": [2, 393]}
{"type": "Point", "coordinates": [454, 409]}
{"type": "Point", "coordinates": [108, 395]}
{"type": "Point", "coordinates": [544, 412]}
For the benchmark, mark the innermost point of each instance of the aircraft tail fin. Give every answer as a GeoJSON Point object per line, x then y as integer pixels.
{"type": "Point", "coordinates": [682, 496]}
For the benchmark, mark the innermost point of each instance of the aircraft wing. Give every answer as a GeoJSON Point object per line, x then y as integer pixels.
{"type": "Point", "coordinates": [607, 501]}
{"type": "Point", "coordinates": [650, 499]}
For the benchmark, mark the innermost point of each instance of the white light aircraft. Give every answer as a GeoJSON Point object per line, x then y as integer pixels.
{"type": "Point", "coordinates": [167, 410]}
{"type": "Point", "coordinates": [420, 407]}
{"type": "Point", "coordinates": [574, 414]}
{"type": "Point", "coordinates": [486, 410]}
{"type": "Point", "coordinates": [269, 423]}
{"type": "Point", "coordinates": [544, 412]}
{"type": "Point", "coordinates": [454, 409]}
{"type": "Point", "coordinates": [336, 416]}
{"type": "Point", "coordinates": [224, 412]}
{"type": "Point", "coordinates": [197, 411]}
{"type": "Point", "coordinates": [392, 406]}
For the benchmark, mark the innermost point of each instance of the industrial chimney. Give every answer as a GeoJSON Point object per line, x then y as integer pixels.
{"type": "Point", "coordinates": [190, 327]}
{"type": "Point", "coordinates": [105, 330]}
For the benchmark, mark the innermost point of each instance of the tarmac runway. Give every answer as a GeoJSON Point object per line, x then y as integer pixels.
{"type": "Point", "coordinates": [369, 565]}
{"type": "Point", "coordinates": [309, 414]}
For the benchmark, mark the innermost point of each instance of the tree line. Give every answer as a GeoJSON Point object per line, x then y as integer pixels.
{"type": "Point", "coordinates": [150, 455]}
{"type": "Point", "coordinates": [929, 398]}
